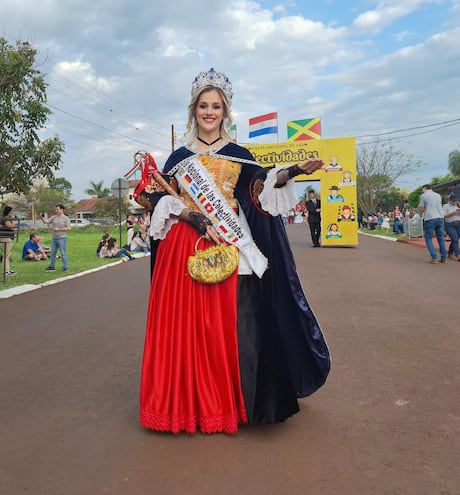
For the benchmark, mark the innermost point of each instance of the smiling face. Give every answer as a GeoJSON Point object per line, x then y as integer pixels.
{"type": "Point", "coordinates": [209, 113]}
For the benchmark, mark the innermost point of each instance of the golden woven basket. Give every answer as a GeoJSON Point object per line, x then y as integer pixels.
{"type": "Point", "coordinates": [213, 265]}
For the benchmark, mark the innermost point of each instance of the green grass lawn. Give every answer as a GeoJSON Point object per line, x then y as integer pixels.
{"type": "Point", "coordinates": [81, 253]}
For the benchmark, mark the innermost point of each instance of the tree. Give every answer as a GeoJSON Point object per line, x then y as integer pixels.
{"type": "Point", "coordinates": [378, 166]}
{"type": "Point", "coordinates": [97, 189]}
{"type": "Point", "coordinates": [454, 163]}
{"type": "Point", "coordinates": [108, 207]}
{"type": "Point", "coordinates": [41, 198]}
{"type": "Point", "coordinates": [24, 157]}
{"type": "Point", "coordinates": [304, 196]}
{"type": "Point", "coordinates": [61, 184]}
{"type": "Point", "coordinates": [392, 198]}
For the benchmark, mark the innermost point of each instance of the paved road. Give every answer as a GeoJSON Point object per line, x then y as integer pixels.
{"type": "Point", "coordinates": [386, 422]}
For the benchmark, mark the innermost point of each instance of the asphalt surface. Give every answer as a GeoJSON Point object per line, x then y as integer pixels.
{"type": "Point", "coordinates": [386, 422]}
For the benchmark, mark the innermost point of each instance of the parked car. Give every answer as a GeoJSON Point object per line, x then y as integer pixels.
{"type": "Point", "coordinates": [79, 222]}
{"type": "Point", "coordinates": [103, 221]}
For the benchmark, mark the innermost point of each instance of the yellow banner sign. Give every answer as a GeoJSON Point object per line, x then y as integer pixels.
{"type": "Point", "coordinates": [339, 209]}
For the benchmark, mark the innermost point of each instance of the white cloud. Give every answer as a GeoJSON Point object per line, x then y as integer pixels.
{"type": "Point", "coordinates": [84, 72]}
{"type": "Point", "coordinates": [374, 21]}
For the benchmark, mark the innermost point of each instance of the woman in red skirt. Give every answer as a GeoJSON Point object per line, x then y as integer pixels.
{"type": "Point", "coordinates": [245, 349]}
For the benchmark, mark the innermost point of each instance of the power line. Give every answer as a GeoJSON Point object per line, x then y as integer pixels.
{"type": "Point", "coordinates": [108, 104]}
{"type": "Point", "coordinates": [104, 128]}
{"type": "Point", "coordinates": [449, 122]}
{"type": "Point", "coordinates": [60, 83]}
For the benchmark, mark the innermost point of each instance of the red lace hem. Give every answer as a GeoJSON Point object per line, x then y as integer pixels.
{"type": "Point", "coordinates": [206, 424]}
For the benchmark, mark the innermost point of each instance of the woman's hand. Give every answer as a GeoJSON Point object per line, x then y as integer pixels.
{"type": "Point", "coordinates": [306, 167]}
{"type": "Point", "coordinates": [202, 225]}
{"type": "Point", "coordinates": [310, 166]}
{"type": "Point", "coordinates": [212, 235]}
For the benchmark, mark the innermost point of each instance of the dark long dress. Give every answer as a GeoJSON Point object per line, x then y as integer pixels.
{"type": "Point", "coordinates": [240, 351]}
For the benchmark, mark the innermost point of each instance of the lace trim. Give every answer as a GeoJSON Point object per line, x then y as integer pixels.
{"type": "Point", "coordinates": [207, 424]}
{"type": "Point", "coordinates": [277, 201]}
{"type": "Point", "coordinates": [164, 216]}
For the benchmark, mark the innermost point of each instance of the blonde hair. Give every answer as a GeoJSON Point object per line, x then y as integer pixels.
{"type": "Point", "coordinates": [192, 129]}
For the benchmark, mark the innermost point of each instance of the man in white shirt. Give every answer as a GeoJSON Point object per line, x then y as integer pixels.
{"type": "Point", "coordinates": [430, 206]}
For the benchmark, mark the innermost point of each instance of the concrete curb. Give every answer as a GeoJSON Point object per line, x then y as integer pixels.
{"type": "Point", "coordinates": [378, 236]}
{"type": "Point", "coordinates": [21, 289]}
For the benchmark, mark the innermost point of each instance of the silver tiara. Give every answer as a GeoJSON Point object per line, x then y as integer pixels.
{"type": "Point", "coordinates": [212, 78]}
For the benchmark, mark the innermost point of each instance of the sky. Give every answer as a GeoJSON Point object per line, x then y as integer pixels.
{"type": "Point", "coordinates": [119, 73]}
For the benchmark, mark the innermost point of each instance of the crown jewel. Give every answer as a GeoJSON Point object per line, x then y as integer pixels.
{"type": "Point", "coordinates": [212, 78]}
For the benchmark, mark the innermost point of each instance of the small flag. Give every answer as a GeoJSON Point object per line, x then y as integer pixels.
{"type": "Point", "coordinates": [216, 218]}
{"type": "Point", "coordinates": [209, 208]}
{"type": "Point", "coordinates": [264, 124]}
{"type": "Point", "coordinates": [302, 130]}
{"type": "Point", "coordinates": [233, 133]}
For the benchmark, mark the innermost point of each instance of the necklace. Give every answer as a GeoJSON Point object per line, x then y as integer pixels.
{"type": "Point", "coordinates": [208, 144]}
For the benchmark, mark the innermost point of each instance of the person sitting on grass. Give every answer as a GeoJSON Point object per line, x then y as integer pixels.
{"type": "Point", "coordinates": [110, 250]}
{"type": "Point", "coordinates": [46, 249]}
{"type": "Point", "coordinates": [32, 251]}
{"type": "Point", "coordinates": [138, 244]}
{"type": "Point", "coordinates": [102, 243]}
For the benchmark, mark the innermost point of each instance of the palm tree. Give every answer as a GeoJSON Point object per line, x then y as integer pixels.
{"type": "Point", "coordinates": [98, 190]}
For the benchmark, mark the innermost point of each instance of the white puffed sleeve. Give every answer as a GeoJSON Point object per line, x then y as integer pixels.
{"type": "Point", "coordinates": [164, 216]}
{"type": "Point", "coordinates": [277, 200]}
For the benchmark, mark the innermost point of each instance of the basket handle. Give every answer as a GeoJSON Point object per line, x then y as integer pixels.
{"type": "Point", "coordinates": [202, 237]}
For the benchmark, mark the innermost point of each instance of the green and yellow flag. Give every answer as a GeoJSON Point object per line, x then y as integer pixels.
{"type": "Point", "coordinates": [302, 130]}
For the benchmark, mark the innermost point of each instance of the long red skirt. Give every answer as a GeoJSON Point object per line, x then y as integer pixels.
{"type": "Point", "coordinates": [190, 369]}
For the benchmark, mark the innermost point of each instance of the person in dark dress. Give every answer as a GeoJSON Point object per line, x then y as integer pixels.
{"type": "Point", "coordinates": [243, 350]}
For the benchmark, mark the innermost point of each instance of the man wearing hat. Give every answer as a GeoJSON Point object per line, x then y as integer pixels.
{"type": "Point", "coordinates": [452, 225]}
{"type": "Point", "coordinates": [334, 196]}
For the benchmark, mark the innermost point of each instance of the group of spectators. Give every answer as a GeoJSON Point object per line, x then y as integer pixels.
{"type": "Point", "coordinates": [295, 216]}
{"type": "Point", "coordinates": [138, 241]}
{"type": "Point", "coordinates": [407, 221]}
{"type": "Point", "coordinates": [34, 249]}
{"type": "Point", "coordinates": [108, 248]}
{"type": "Point", "coordinates": [431, 218]}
